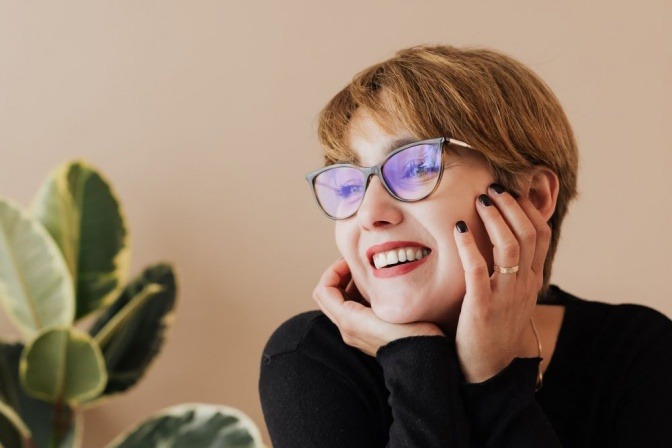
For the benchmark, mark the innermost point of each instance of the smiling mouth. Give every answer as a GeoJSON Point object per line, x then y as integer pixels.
{"type": "Point", "coordinates": [399, 256]}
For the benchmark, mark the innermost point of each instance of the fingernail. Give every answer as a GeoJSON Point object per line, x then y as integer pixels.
{"type": "Point", "coordinates": [483, 199]}
{"type": "Point", "coordinates": [497, 188]}
{"type": "Point", "coordinates": [461, 226]}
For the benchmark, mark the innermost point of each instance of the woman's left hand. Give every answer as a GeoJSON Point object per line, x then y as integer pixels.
{"type": "Point", "coordinates": [360, 327]}
{"type": "Point", "coordinates": [497, 308]}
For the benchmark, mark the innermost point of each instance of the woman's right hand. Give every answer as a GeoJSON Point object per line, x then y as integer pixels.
{"type": "Point", "coordinates": [360, 327]}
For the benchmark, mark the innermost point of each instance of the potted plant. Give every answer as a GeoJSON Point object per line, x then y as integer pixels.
{"type": "Point", "coordinates": [86, 335]}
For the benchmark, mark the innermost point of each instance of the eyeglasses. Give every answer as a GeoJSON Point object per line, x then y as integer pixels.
{"type": "Point", "coordinates": [409, 174]}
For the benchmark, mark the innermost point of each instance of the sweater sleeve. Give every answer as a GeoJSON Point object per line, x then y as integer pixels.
{"type": "Point", "coordinates": [307, 404]}
{"type": "Point", "coordinates": [503, 412]}
{"type": "Point", "coordinates": [423, 378]}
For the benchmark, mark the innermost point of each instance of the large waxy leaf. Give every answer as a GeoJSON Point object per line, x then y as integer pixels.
{"type": "Point", "coordinates": [193, 425]}
{"type": "Point", "coordinates": [79, 209]}
{"type": "Point", "coordinates": [63, 365]}
{"type": "Point", "coordinates": [130, 332]}
{"type": "Point", "coordinates": [45, 421]}
{"type": "Point", "coordinates": [35, 285]}
{"type": "Point", "coordinates": [13, 432]}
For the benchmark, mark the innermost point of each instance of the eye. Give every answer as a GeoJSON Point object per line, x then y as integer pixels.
{"type": "Point", "coordinates": [419, 169]}
{"type": "Point", "coordinates": [348, 191]}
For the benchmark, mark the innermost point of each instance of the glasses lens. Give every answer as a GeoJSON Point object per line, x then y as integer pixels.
{"type": "Point", "coordinates": [339, 191]}
{"type": "Point", "coordinates": [412, 174]}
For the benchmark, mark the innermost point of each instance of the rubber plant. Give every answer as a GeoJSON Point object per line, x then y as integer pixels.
{"type": "Point", "coordinates": [85, 334]}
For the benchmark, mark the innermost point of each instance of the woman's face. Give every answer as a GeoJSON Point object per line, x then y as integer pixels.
{"type": "Point", "coordinates": [432, 288]}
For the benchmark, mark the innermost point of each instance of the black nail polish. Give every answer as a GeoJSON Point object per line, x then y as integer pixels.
{"type": "Point", "coordinates": [483, 199]}
{"type": "Point", "coordinates": [461, 226]}
{"type": "Point", "coordinates": [497, 188]}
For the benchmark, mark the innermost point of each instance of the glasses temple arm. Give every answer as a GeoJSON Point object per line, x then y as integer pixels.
{"type": "Point", "coordinates": [452, 141]}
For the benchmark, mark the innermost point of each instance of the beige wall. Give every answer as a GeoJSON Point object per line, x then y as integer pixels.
{"type": "Point", "coordinates": [203, 115]}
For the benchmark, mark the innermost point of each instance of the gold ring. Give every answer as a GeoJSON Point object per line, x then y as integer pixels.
{"type": "Point", "coordinates": [511, 270]}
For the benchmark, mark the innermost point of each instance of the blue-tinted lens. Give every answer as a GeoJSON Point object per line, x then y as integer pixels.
{"type": "Point", "coordinates": [340, 190]}
{"type": "Point", "coordinates": [412, 173]}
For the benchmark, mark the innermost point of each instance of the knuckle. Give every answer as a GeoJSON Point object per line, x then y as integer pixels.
{"type": "Point", "coordinates": [507, 200]}
{"type": "Point", "coordinates": [346, 327]}
{"type": "Point", "coordinates": [529, 235]}
{"type": "Point", "coordinates": [544, 232]}
{"type": "Point", "coordinates": [511, 250]}
{"type": "Point", "coordinates": [350, 305]}
{"type": "Point", "coordinates": [478, 269]}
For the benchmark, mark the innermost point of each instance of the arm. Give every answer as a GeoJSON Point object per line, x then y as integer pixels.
{"type": "Point", "coordinates": [419, 366]}
{"type": "Point", "coordinates": [502, 411]}
{"type": "Point", "coordinates": [323, 393]}
{"type": "Point", "coordinates": [422, 376]}
{"type": "Point", "coordinates": [305, 403]}
{"type": "Point", "coordinates": [495, 311]}
{"type": "Point", "coordinates": [498, 395]}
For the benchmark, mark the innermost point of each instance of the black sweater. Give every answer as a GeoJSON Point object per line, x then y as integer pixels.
{"type": "Point", "coordinates": [609, 384]}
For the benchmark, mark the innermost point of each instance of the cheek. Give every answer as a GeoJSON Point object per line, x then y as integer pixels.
{"type": "Point", "coordinates": [344, 239]}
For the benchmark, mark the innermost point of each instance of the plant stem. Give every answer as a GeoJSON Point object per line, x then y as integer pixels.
{"type": "Point", "coordinates": [61, 420]}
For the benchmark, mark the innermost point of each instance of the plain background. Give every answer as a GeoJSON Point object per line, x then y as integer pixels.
{"type": "Point", "coordinates": [203, 115]}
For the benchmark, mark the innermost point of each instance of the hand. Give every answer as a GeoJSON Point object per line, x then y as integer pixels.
{"type": "Point", "coordinates": [497, 308]}
{"type": "Point", "coordinates": [339, 299]}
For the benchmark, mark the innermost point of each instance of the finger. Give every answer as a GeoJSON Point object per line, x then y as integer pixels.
{"type": "Point", "coordinates": [543, 235]}
{"type": "Point", "coordinates": [506, 247]}
{"type": "Point", "coordinates": [476, 273]}
{"type": "Point", "coordinates": [328, 298]}
{"type": "Point", "coordinates": [336, 275]}
{"type": "Point", "coordinates": [350, 317]}
{"type": "Point", "coordinates": [519, 222]}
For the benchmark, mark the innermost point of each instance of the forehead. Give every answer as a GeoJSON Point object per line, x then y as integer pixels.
{"type": "Point", "coordinates": [369, 142]}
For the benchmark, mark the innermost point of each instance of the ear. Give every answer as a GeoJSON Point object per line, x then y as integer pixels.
{"type": "Point", "coordinates": [542, 190]}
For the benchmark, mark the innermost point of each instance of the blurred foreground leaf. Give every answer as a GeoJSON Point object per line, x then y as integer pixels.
{"type": "Point", "coordinates": [13, 432]}
{"type": "Point", "coordinates": [193, 425]}
{"type": "Point", "coordinates": [45, 421]}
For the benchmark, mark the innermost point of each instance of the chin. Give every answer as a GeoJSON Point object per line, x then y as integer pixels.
{"type": "Point", "coordinates": [396, 313]}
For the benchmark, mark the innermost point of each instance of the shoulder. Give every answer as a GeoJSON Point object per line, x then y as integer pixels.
{"type": "Point", "coordinates": [632, 315]}
{"type": "Point", "coordinates": [291, 335]}
{"type": "Point", "coordinates": [308, 348]}
{"type": "Point", "coordinates": [625, 327]}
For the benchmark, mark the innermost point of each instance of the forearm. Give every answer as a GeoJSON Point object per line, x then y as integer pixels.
{"type": "Point", "coordinates": [503, 412]}
{"type": "Point", "coordinates": [423, 379]}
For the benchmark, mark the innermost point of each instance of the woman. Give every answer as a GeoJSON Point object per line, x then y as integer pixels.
{"type": "Point", "coordinates": [438, 325]}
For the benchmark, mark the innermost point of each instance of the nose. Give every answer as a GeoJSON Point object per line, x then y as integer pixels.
{"type": "Point", "coordinates": [378, 209]}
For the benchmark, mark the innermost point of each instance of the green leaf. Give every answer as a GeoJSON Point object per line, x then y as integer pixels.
{"type": "Point", "coordinates": [81, 212]}
{"type": "Point", "coordinates": [45, 421]}
{"type": "Point", "coordinates": [193, 425]}
{"type": "Point", "coordinates": [131, 331]}
{"type": "Point", "coordinates": [35, 285]}
{"type": "Point", "coordinates": [63, 365]}
{"type": "Point", "coordinates": [13, 432]}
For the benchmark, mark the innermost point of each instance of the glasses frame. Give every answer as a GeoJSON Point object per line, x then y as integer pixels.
{"type": "Point", "coordinates": [378, 171]}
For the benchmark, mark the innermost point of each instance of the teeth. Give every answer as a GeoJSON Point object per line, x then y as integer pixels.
{"type": "Point", "coordinates": [392, 257]}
